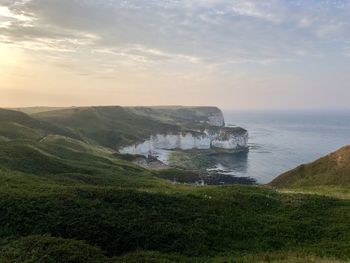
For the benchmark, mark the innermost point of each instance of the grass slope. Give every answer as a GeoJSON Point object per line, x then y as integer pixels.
{"type": "Point", "coordinates": [108, 126]}
{"type": "Point", "coordinates": [201, 223]}
{"type": "Point", "coordinates": [331, 170]}
{"type": "Point", "coordinates": [34, 110]}
{"type": "Point", "coordinates": [119, 126]}
{"type": "Point", "coordinates": [71, 192]}
{"type": "Point", "coordinates": [63, 199]}
{"type": "Point", "coordinates": [178, 114]}
{"type": "Point", "coordinates": [17, 125]}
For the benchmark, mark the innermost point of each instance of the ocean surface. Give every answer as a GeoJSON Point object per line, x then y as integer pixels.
{"type": "Point", "coordinates": [280, 141]}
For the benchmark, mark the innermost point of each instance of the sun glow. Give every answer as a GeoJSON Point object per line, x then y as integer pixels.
{"type": "Point", "coordinates": [11, 60]}
{"type": "Point", "coordinates": [9, 56]}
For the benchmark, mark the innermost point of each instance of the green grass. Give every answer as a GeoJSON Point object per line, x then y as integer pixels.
{"type": "Point", "coordinates": [114, 126]}
{"type": "Point", "coordinates": [36, 249]}
{"type": "Point", "coordinates": [190, 160]}
{"type": "Point", "coordinates": [177, 114]}
{"type": "Point", "coordinates": [107, 126]}
{"type": "Point", "coordinates": [201, 222]}
{"type": "Point", "coordinates": [65, 199]}
{"type": "Point", "coordinates": [34, 110]}
{"type": "Point", "coordinates": [16, 125]}
{"type": "Point", "coordinates": [339, 192]}
{"type": "Point", "coordinates": [331, 170]}
{"type": "Point", "coordinates": [269, 257]}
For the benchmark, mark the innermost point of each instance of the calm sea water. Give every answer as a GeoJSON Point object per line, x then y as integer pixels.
{"type": "Point", "coordinates": [280, 141]}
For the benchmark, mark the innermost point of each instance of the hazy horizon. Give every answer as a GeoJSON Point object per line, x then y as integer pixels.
{"type": "Point", "coordinates": [237, 55]}
{"type": "Point", "coordinates": [225, 109]}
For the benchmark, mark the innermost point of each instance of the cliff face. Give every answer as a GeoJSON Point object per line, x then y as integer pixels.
{"type": "Point", "coordinates": [201, 128]}
{"type": "Point", "coordinates": [220, 138]}
{"type": "Point", "coordinates": [183, 141]}
{"type": "Point", "coordinates": [228, 138]}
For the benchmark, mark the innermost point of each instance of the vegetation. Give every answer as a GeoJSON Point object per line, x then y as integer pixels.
{"type": "Point", "coordinates": [65, 199]}
{"type": "Point", "coordinates": [270, 257]}
{"type": "Point", "coordinates": [177, 114]}
{"type": "Point", "coordinates": [33, 110]}
{"type": "Point", "coordinates": [107, 126]}
{"type": "Point", "coordinates": [191, 160]}
{"type": "Point", "coordinates": [17, 125]}
{"type": "Point", "coordinates": [331, 170]}
{"type": "Point", "coordinates": [33, 249]}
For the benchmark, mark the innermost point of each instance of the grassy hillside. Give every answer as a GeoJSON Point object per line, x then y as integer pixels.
{"type": "Point", "coordinates": [178, 114]}
{"type": "Point", "coordinates": [34, 110]}
{"type": "Point", "coordinates": [182, 223]}
{"type": "Point", "coordinates": [108, 126]}
{"type": "Point", "coordinates": [70, 199]}
{"type": "Point", "coordinates": [331, 170]}
{"type": "Point", "coordinates": [18, 125]}
{"type": "Point", "coordinates": [119, 126]}
{"type": "Point", "coordinates": [60, 192]}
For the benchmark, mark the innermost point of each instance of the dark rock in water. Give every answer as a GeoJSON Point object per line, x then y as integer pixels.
{"type": "Point", "coordinates": [207, 167]}
{"type": "Point", "coordinates": [202, 178]}
{"type": "Point", "coordinates": [222, 179]}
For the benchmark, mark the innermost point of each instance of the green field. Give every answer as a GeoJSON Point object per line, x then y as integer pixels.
{"type": "Point", "coordinates": [65, 196]}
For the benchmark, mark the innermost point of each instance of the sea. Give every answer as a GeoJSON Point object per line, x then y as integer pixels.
{"type": "Point", "coordinates": [282, 140]}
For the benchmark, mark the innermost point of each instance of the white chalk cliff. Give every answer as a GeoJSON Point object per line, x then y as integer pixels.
{"type": "Point", "coordinates": [213, 136]}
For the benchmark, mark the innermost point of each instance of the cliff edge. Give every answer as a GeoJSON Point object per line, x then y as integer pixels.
{"type": "Point", "coordinates": [201, 128]}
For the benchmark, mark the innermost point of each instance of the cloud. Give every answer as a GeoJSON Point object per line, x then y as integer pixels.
{"type": "Point", "coordinates": [115, 49]}
{"type": "Point", "coordinates": [7, 14]}
{"type": "Point", "coordinates": [187, 31]}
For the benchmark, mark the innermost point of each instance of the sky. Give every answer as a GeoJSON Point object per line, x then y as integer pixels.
{"type": "Point", "coordinates": [235, 54]}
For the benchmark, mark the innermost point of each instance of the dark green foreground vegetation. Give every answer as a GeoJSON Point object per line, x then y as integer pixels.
{"type": "Point", "coordinates": [114, 218]}
{"type": "Point", "coordinates": [65, 200]}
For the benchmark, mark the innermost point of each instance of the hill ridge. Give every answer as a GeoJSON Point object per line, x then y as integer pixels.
{"type": "Point", "coordinates": [332, 169]}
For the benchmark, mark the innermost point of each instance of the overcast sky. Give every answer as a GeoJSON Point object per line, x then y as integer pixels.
{"type": "Point", "coordinates": [254, 54]}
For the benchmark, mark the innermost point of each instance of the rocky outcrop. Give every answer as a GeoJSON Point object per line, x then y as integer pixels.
{"type": "Point", "coordinates": [183, 141]}
{"type": "Point", "coordinates": [216, 119]}
{"type": "Point", "coordinates": [214, 138]}
{"type": "Point", "coordinates": [201, 128]}
{"type": "Point", "coordinates": [228, 138]}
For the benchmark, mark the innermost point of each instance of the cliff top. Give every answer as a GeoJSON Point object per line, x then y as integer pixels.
{"type": "Point", "coordinates": [115, 126]}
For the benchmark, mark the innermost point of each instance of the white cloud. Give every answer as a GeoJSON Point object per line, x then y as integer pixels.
{"type": "Point", "coordinates": [333, 29]}
{"type": "Point", "coordinates": [239, 47]}
{"type": "Point", "coordinates": [187, 31]}
{"type": "Point", "coordinates": [255, 10]}
{"type": "Point", "coordinates": [8, 17]}
{"type": "Point", "coordinates": [6, 13]}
